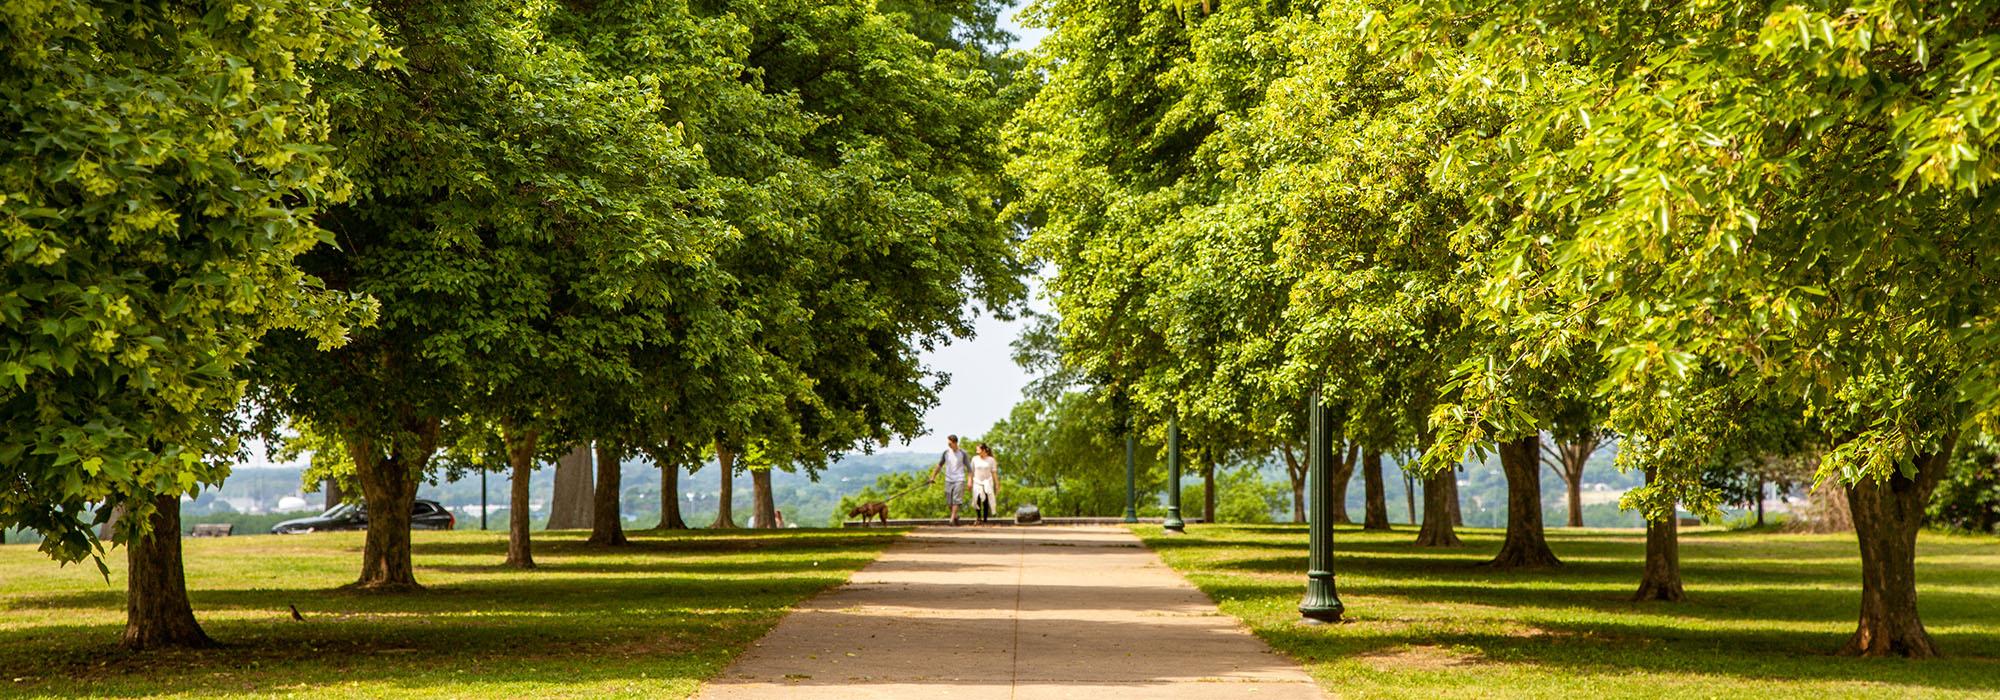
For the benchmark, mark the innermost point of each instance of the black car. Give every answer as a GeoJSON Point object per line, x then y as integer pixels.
{"type": "Point", "coordinates": [424, 515]}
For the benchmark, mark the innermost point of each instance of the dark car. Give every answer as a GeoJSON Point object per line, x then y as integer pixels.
{"type": "Point", "coordinates": [424, 515]}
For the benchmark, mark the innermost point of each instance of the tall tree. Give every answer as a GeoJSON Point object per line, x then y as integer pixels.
{"type": "Point", "coordinates": [509, 269]}
{"type": "Point", "coordinates": [154, 197]}
{"type": "Point", "coordinates": [1793, 214]}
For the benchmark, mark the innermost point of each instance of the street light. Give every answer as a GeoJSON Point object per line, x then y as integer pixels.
{"type": "Point", "coordinates": [1322, 603]}
{"type": "Point", "coordinates": [1174, 524]}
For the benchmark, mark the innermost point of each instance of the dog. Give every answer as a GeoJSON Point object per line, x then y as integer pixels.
{"type": "Point", "coordinates": [871, 509]}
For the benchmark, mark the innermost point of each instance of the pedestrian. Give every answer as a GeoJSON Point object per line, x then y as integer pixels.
{"type": "Point", "coordinates": [953, 464]}
{"type": "Point", "coordinates": [985, 483]}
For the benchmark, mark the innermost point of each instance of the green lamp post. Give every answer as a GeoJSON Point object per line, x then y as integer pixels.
{"type": "Point", "coordinates": [1322, 603]}
{"type": "Point", "coordinates": [1174, 524]}
{"type": "Point", "coordinates": [1131, 476]}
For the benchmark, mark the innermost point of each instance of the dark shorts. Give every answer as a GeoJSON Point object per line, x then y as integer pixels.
{"type": "Point", "coordinates": [954, 492]}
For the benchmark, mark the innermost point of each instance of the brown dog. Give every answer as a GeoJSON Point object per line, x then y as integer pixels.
{"type": "Point", "coordinates": [871, 509]}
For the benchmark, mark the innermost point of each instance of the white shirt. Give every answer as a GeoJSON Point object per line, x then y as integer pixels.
{"type": "Point", "coordinates": [954, 465]}
{"type": "Point", "coordinates": [985, 468]}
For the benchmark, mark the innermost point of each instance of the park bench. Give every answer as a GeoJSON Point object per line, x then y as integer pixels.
{"type": "Point", "coordinates": [212, 530]}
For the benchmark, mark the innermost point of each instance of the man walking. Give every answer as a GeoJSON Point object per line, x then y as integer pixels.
{"type": "Point", "coordinates": [954, 465]}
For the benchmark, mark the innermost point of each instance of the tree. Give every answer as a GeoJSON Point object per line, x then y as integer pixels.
{"type": "Point", "coordinates": [154, 199]}
{"type": "Point", "coordinates": [1568, 458]}
{"type": "Point", "coordinates": [1793, 213]}
{"type": "Point", "coordinates": [510, 271]}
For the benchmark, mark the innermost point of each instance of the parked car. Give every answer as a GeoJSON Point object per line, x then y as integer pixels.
{"type": "Point", "coordinates": [424, 515]}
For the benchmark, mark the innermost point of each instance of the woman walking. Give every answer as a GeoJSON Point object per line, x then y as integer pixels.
{"type": "Point", "coordinates": [985, 482]}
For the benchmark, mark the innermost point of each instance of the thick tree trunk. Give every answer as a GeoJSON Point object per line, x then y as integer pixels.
{"type": "Point", "coordinates": [763, 505]}
{"type": "Point", "coordinates": [1662, 578]}
{"type": "Point", "coordinates": [157, 611]}
{"type": "Point", "coordinates": [333, 494]}
{"type": "Point", "coordinates": [1525, 546]}
{"type": "Point", "coordinates": [521, 459]}
{"type": "Point", "coordinates": [570, 505]}
{"type": "Point", "coordinates": [1451, 501]}
{"type": "Point", "coordinates": [725, 461]}
{"type": "Point", "coordinates": [1207, 491]}
{"type": "Point", "coordinates": [1887, 515]}
{"type": "Point", "coordinates": [1295, 470]}
{"type": "Point", "coordinates": [607, 521]}
{"type": "Point", "coordinates": [1575, 504]}
{"type": "Point", "coordinates": [1437, 530]}
{"type": "Point", "coordinates": [389, 490]}
{"type": "Point", "coordinates": [1343, 472]}
{"type": "Point", "coordinates": [1376, 516]}
{"type": "Point", "coordinates": [670, 494]}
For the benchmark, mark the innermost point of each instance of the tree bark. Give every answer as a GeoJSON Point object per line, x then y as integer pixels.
{"type": "Point", "coordinates": [1887, 515]}
{"type": "Point", "coordinates": [670, 491]}
{"type": "Point", "coordinates": [764, 507]}
{"type": "Point", "coordinates": [726, 463]}
{"type": "Point", "coordinates": [1662, 578]}
{"type": "Point", "coordinates": [607, 521]}
{"type": "Point", "coordinates": [157, 611]}
{"type": "Point", "coordinates": [1437, 529]}
{"type": "Point", "coordinates": [1525, 546]}
{"type": "Point", "coordinates": [1575, 504]}
{"type": "Point", "coordinates": [389, 490]}
{"type": "Point", "coordinates": [570, 505]}
{"type": "Point", "coordinates": [1451, 498]}
{"type": "Point", "coordinates": [1760, 501]}
{"type": "Point", "coordinates": [1207, 490]}
{"type": "Point", "coordinates": [521, 459]}
{"type": "Point", "coordinates": [1343, 472]}
{"type": "Point", "coordinates": [1295, 470]}
{"type": "Point", "coordinates": [1377, 515]}
{"type": "Point", "coordinates": [333, 494]}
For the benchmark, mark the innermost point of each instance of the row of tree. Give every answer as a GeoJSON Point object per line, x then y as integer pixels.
{"type": "Point", "coordinates": [1726, 234]}
{"type": "Point", "coordinates": [411, 235]}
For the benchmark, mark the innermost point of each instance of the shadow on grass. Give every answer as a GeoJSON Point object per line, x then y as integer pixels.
{"type": "Point", "coordinates": [674, 608]}
{"type": "Point", "coordinates": [1766, 609]}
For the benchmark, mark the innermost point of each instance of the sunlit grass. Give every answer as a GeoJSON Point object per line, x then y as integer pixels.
{"type": "Point", "coordinates": [650, 620]}
{"type": "Point", "coordinates": [1766, 612]}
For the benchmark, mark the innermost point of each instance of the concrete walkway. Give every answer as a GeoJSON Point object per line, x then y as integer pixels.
{"type": "Point", "coordinates": [1012, 612]}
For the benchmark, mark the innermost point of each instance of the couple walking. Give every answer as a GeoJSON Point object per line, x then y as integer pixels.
{"type": "Point", "coordinates": [983, 487]}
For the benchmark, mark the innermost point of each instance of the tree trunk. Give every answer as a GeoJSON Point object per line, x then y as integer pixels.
{"type": "Point", "coordinates": [1377, 514]}
{"type": "Point", "coordinates": [1451, 498]}
{"type": "Point", "coordinates": [1295, 470]}
{"type": "Point", "coordinates": [157, 611]}
{"type": "Point", "coordinates": [726, 463]}
{"type": "Point", "coordinates": [521, 458]}
{"type": "Point", "coordinates": [607, 522]}
{"type": "Point", "coordinates": [333, 494]}
{"type": "Point", "coordinates": [1662, 579]}
{"type": "Point", "coordinates": [1525, 546]}
{"type": "Point", "coordinates": [1760, 501]}
{"type": "Point", "coordinates": [1437, 529]}
{"type": "Point", "coordinates": [763, 506]}
{"type": "Point", "coordinates": [1207, 490]}
{"type": "Point", "coordinates": [1887, 515]}
{"type": "Point", "coordinates": [389, 490]}
{"type": "Point", "coordinates": [570, 505]}
{"type": "Point", "coordinates": [1575, 503]}
{"type": "Point", "coordinates": [670, 492]}
{"type": "Point", "coordinates": [1343, 472]}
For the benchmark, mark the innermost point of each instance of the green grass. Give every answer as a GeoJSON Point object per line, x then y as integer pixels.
{"type": "Point", "coordinates": [650, 620]}
{"type": "Point", "coordinates": [1766, 612]}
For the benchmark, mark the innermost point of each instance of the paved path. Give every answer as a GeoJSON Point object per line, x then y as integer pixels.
{"type": "Point", "coordinates": [1012, 612]}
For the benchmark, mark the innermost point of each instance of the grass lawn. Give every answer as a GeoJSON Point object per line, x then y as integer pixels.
{"type": "Point", "coordinates": [1765, 614]}
{"type": "Point", "coordinates": [650, 620]}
